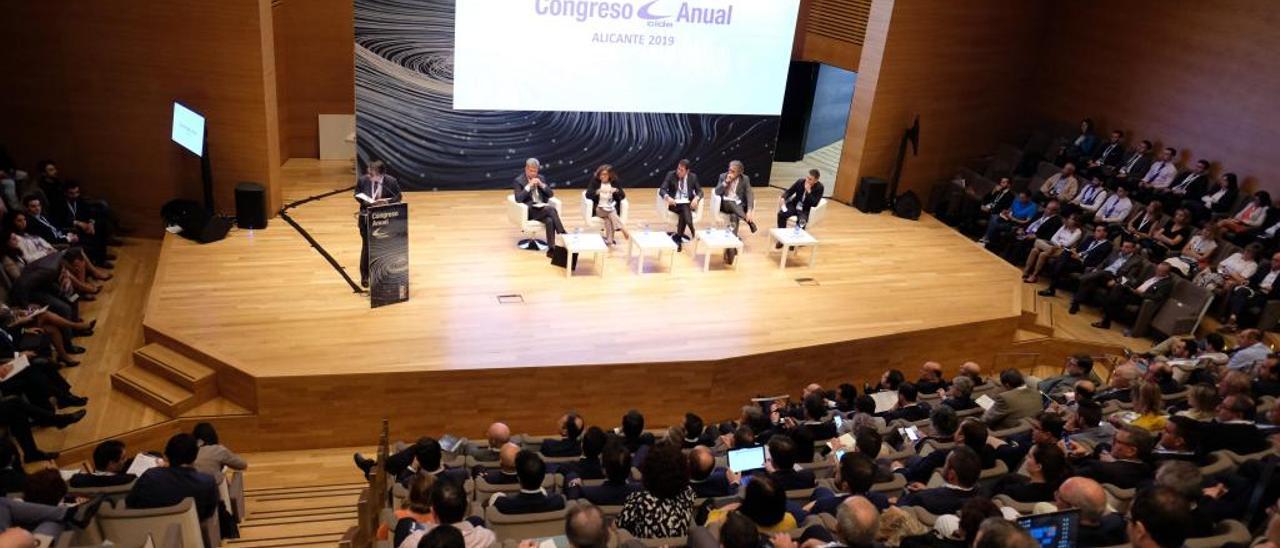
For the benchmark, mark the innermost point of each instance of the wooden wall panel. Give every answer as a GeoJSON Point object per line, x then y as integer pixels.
{"type": "Point", "coordinates": [1200, 76]}
{"type": "Point", "coordinates": [831, 31]}
{"type": "Point", "coordinates": [299, 411]}
{"type": "Point", "coordinates": [315, 58]}
{"type": "Point", "coordinates": [90, 84]}
{"type": "Point", "coordinates": [965, 68]}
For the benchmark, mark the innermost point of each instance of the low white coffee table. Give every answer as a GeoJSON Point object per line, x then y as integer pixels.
{"type": "Point", "coordinates": [645, 241]}
{"type": "Point", "coordinates": [792, 237]}
{"type": "Point", "coordinates": [583, 243]}
{"type": "Point", "coordinates": [715, 239]}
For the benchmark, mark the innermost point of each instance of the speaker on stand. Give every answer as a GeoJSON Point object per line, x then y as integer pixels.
{"type": "Point", "coordinates": [870, 197]}
{"type": "Point", "coordinates": [251, 205]}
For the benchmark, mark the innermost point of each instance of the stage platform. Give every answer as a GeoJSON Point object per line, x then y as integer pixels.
{"type": "Point", "coordinates": [285, 337]}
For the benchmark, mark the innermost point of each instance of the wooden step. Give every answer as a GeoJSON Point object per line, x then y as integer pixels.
{"type": "Point", "coordinates": [178, 369]}
{"type": "Point", "coordinates": [320, 539]}
{"type": "Point", "coordinates": [153, 390]}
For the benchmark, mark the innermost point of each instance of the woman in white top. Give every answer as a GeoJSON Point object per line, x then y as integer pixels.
{"type": "Point", "coordinates": [606, 200]}
{"type": "Point", "coordinates": [1251, 216]}
{"type": "Point", "coordinates": [1042, 251]}
{"type": "Point", "coordinates": [1200, 247]}
{"type": "Point", "coordinates": [31, 247]}
{"type": "Point", "coordinates": [1232, 271]}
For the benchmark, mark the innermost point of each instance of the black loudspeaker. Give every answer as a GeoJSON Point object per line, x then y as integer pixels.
{"type": "Point", "coordinates": [251, 205]}
{"type": "Point", "coordinates": [797, 107]}
{"type": "Point", "coordinates": [196, 223]}
{"type": "Point", "coordinates": [907, 206]}
{"type": "Point", "coordinates": [871, 195]}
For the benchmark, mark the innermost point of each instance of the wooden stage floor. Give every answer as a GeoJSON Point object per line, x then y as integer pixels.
{"type": "Point", "coordinates": [267, 303]}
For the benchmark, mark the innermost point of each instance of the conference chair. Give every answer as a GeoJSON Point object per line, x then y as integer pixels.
{"type": "Point", "coordinates": [1118, 498]}
{"type": "Point", "coordinates": [1182, 312]}
{"type": "Point", "coordinates": [130, 527]}
{"type": "Point", "coordinates": [523, 526]}
{"type": "Point", "coordinates": [486, 490]}
{"type": "Point", "coordinates": [1023, 508]}
{"type": "Point", "coordinates": [596, 223]}
{"type": "Point", "coordinates": [891, 487]}
{"type": "Point", "coordinates": [670, 219]}
{"type": "Point", "coordinates": [518, 216]}
{"type": "Point", "coordinates": [816, 214]}
{"type": "Point", "coordinates": [1224, 532]}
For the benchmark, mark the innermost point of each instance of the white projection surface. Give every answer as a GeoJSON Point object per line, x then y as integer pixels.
{"type": "Point", "coordinates": [668, 56]}
{"type": "Point", "coordinates": [188, 129]}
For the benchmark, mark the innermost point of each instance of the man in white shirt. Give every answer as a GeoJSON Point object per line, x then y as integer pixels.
{"type": "Point", "coordinates": [1250, 351]}
{"type": "Point", "coordinates": [1264, 285]}
{"type": "Point", "coordinates": [1160, 176]}
{"type": "Point", "coordinates": [1043, 250]}
{"type": "Point", "coordinates": [1115, 208]}
{"type": "Point", "coordinates": [1155, 288]}
{"type": "Point", "coordinates": [1091, 197]}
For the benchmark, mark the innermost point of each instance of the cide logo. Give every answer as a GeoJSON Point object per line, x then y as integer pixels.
{"type": "Point", "coordinates": [584, 10]}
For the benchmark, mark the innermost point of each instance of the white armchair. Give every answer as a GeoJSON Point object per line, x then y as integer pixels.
{"type": "Point", "coordinates": [596, 223]}
{"type": "Point", "coordinates": [815, 215]}
{"type": "Point", "coordinates": [721, 219]}
{"type": "Point", "coordinates": [671, 218]}
{"type": "Point", "coordinates": [518, 216]}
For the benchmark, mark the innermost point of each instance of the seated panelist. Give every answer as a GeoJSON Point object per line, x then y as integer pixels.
{"type": "Point", "coordinates": [804, 195]}
{"type": "Point", "coordinates": [681, 191]}
{"type": "Point", "coordinates": [736, 199]}
{"type": "Point", "coordinates": [606, 200]}
{"type": "Point", "coordinates": [533, 190]}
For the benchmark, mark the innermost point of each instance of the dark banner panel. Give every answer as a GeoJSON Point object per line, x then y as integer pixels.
{"type": "Point", "coordinates": [388, 254]}
{"type": "Point", "coordinates": [404, 116]}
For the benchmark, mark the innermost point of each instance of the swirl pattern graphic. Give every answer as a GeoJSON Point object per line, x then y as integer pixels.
{"type": "Point", "coordinates": [405, 116]}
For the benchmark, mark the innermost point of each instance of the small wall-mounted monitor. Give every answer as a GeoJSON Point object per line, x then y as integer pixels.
{"type": "Point", "coordinates": [188, 129]}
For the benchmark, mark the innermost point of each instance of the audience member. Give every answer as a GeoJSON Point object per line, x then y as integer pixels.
{"type": "Point", "coordinates": [1159, 518]}
{"type": "Point", "coordinates": [1124, 263]}
{"type": "Point", "coordinates": [1046, 467]}
{"type": "Point", "coordinates": [178, 479]}
{"type": "Point", "coordinates": [449, 505]}
{"type": "Point", "coordinates": [109, 464]}
{"type": "Point", "coordinates": [532, 498]}
{"type": "Point", "coordinates": [960, 474]}
{"type": "Point", "coordinates": [708, 480]}
{"type": "Point", "coordinates": [1078, 367]}
{"type": "Point", "coordinates": [616, 487]}
{"type": "Point", "coordinates": [1155, 289]}
{"type": "Point", "coordinates": [506, 472]}
{"type": "Point", "coordinates": [1097, 527]}
{"type": "Point", "coordinates": [568, 445]}
{"type": "Point", "coordinates": [1018, 401]}
{"type": "Point", "coordinates": [634, 436]}
{"type": "Point", "coordinates": [907, 408]}
{"type": "Point", "coordinates": [664, 508]}
{"type": "Point", "coordinates": [1126, 464]}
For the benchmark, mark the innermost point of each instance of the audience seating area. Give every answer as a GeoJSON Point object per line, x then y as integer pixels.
{"type": "Point", "coordinates": [1181, 449]}
{"type": "Point", "coordinates": [1218, 239]}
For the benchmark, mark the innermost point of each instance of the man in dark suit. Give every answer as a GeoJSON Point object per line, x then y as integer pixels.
{"type": "Point", "coordinates": [971, 433]}
{"type": "Point", "coordinates": [1124, 263]}
{"type": "Point", "coordinates": [109, 464]}
{"type": "Point", "coordinates": [589, 466]}
{"type": "Point", "coordinates": [801, 197]}
{"type": "Point", "coordinates": [633, 435]}
{"type": "Point", "coordinates": [1097, 526]}
{"type": "Point", "coordinates": [782, 465]}
{"type": "Point", "coordinates": [39, 382]}
{"type": "Point", "coordinates": [531, 499]}
{"type": "Point", "coordinates": [1042, 227]}
{"type": "Point", "coordinates": [506, 472]}
{"type": "Point", "coordinates": [39, 224]}
{"type": "Point", "coordinates": [533, 190]}
{"type": "Point", "coordinates": [568, 445]}
{"type": "Point", "coordinates": [855, 475]}
{"type": "Point", "coordinates": [1089, 254]}
{"type": "Point", "coordinates": [1129, 464]}
{"type": "Point", "coordinates": [1017, 402]}
{"type": "Point", "coordinates": [706, 479]}
{"type": "Point", "coordinates": [683, 195]}
{"type": "Point", "coordinates": [961, 473]}
{"type": "Point", "coordinates": [1181, 439]}
{"type": "Point", "coordinates": [1188, 185]}
{"type": "Point", "coordinates": [1107, 157]}
{"type": "Point", "coordinates": [168, 485]}
{"type": "Point", "coordinates": [376, 187]}
{"type": "Point", "coordinates": [931, 379]}
{"type": "Point", "coordinates": [907, 408]}
{"type": "Point", "coordinates": [616, 487]}
{"type": "Point", "coordinates": [1120, 385]}
{"type": "Point", "coordinates": [428, 459]}
{"type": "Point", "coordinates": [72, 214]}
{"type": "Point", "coordinates": [1133, 167]}
{"type": "Point", "coordinates": [1154, 289]}
{"type": "Point", "coordinates": [697, 433]}
{"type": "Point", "coordinates": [815, 413]}
{"type": "Point", "coordinates": [1233, 429]}
{"type": "Point", "coordinates": [1159, 517]}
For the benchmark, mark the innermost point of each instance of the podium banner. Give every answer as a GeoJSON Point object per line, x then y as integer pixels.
{"type": "Point", "coordinates": [388, 231]}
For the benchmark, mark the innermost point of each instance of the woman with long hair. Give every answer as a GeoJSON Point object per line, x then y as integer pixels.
{"type": "Point", "coordinates": [606, 200]}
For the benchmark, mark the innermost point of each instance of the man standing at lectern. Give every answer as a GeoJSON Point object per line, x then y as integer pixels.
{"type": "Point", "coordinates": [374, 188]}
{"type": "Point", "coordinates": [682, 192]}
{"type": "Point", "coordinates": [534, 191]}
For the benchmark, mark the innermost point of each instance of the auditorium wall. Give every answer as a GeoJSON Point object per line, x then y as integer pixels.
{"type": "Point", "coordinates": [1199, 76]}
{"type": "Point", "coordinates": [315, 69]}
{"type": "Point", "coordinates": [966, 68]}
{"type": "Point", "coordinates": [91, 84]}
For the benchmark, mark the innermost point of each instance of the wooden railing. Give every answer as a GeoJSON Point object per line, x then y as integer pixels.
{"type": "Point", "coordinates": [373, 499]}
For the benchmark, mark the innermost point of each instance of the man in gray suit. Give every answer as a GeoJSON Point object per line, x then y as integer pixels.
{"type": "Point", "coordinates": [1017, 402]}
{"type": "Point", "coordinates": [734, 190]}
{"type": "Point", "coordinates": [1123, 264]}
